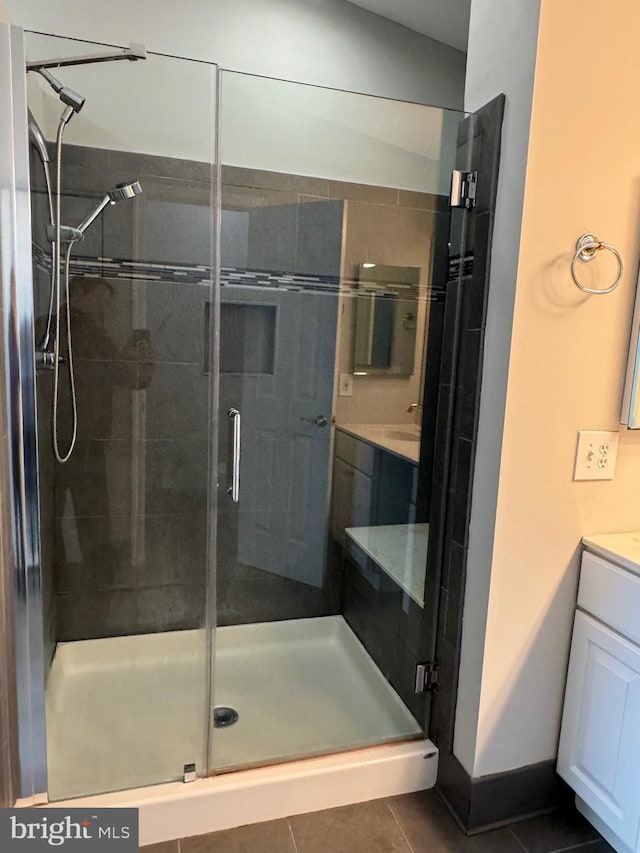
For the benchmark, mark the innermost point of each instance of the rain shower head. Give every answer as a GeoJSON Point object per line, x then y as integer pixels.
{"type": "Point", "coordinates": [119, 193]}
{"type": "Point", "coordinates": [67, 96]}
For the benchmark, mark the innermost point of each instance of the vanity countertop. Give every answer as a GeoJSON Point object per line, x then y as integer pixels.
{"type": "Point", "coordinates": [400, 550]}
{"type": "Point", "coordinates": [622, 548]}
{"type": "Point", "coordinates": [401, 439]}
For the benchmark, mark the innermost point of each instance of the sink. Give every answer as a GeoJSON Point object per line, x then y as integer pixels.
{"type": "Point", "coordinates": [401, 439]}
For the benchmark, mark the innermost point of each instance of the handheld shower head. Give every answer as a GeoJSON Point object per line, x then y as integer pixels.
{"type": "Point", "coordinates": [119, 193]}
{"type": "Point", "coordinates": [124, 191]}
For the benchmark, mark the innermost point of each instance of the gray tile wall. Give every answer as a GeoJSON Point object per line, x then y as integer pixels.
{"type": "Point", "coordinates": [456, 434]}
{"type": "Point", "coordinates": [126, 562]}
{"type": "Point", "coordinates": [462, 373]}
{"type": "Point", "coordinates": [124, 521]}
{"type": "Point", "coordinates": [280, 225]}
{"type": "Point", "coordinates": [41, 284]}
{"type": "Point", "coordinates": [295, 223]}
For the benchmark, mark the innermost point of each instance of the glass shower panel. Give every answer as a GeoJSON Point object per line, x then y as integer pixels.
{"type": "Point", "coordinates": [334, 220]}
{"type": "Point", "coordinates": [125, 518]}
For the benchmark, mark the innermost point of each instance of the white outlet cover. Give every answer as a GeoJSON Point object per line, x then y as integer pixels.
{"type": "Point", "coordinates": [596, 454]}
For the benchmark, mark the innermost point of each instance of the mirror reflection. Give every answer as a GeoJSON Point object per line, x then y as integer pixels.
{"type": "Point", "coordinates": [385, 319]}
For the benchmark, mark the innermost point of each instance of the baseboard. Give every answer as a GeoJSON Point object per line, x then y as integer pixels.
{"type": "Point", "coordinates": [479, 804]}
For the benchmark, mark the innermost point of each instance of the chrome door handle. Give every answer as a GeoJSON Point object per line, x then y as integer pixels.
{"type": "Point", "coordinates": [234, 490]}
{"type": "Point", "coordinates": [319, 420]}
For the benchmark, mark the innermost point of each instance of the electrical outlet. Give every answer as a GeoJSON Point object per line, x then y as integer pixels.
{"type": "Point", "coordinates": [345, 386]}
{"type": "Point", "coordinates": [595, 455]}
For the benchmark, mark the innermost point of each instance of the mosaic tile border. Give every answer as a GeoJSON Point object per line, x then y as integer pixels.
{"type": "Point", "coordinates": [188, 273]}
{"type": "Point", "coordinates": [281, 281]}
{"type": "Point", "coordinates": [455, 265]}
{"type": "Point", "coordinates": [200, 274]}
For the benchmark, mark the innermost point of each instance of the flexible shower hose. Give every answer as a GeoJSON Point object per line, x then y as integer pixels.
{"type": "Point", "coordinates": [44, 343]}
{"type": "Point", "coordinates": [62, 458]}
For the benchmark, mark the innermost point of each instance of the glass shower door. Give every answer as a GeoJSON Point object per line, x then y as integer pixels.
{"type": "Point", "coordinates": [125, 519]}
{"type": "Point", "coordinates": [333, 225]}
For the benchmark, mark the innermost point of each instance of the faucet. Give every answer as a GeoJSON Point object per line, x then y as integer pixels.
{"type": "Point", "coordinates": [413, 406]}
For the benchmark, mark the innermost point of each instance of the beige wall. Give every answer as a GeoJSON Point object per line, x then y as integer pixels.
{"type": "Point", "coordinates": [398, 236]}
{"type": "Point", "coordinates": [566, 371]}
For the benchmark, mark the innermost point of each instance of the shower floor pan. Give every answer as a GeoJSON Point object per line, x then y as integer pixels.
{"type": "Point", "coordinates": [127, 712]}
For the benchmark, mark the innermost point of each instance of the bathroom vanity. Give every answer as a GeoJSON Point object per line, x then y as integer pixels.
{"type": "Point", "coordinates": [383, 549]}
{"type": "Point", "coordinates": [375, 477]}
{"type": "Point", "coordinates": [599, 751]}
{"type": "Point", "coordinates": [374, 502]}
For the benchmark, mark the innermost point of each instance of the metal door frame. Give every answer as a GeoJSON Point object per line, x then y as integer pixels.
{"type": "Point", "coordinates": [21, 480]}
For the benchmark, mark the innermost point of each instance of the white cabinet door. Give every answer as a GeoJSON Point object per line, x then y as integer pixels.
{"type": "Point", "coordinates": [599, 753]}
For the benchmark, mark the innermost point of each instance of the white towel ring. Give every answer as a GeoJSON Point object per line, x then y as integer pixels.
{"type": "Point", "coordinates": [587, 248]}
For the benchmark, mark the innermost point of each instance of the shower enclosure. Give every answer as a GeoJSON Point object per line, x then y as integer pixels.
{"type": "Point", "coordinates": [231, 502]}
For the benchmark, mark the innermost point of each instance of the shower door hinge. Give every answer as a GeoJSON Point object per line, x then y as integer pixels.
{"type": "Point", "coordinates": [426, 677]}
{"type": "Point", "coordinates": [463, 189]}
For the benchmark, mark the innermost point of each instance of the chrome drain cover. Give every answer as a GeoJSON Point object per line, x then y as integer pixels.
{"type": "Point", "coordinates": [223, 716]}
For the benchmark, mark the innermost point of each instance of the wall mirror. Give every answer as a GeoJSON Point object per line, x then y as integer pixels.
{"type": "Point", "coordinates": [385, 320]}
{"type": "Point", "coordinates": [630, 414]}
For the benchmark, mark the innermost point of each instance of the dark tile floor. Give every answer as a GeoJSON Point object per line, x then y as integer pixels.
{"type": "Point", "coordinates": [413, 823]}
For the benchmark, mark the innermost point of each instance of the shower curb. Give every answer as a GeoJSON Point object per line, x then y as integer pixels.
{"type": "Point", "coordinates": [178, 810]}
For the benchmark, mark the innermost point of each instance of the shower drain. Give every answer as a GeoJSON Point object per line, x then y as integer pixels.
{"type": "Point", "coordinates": [224, 716]}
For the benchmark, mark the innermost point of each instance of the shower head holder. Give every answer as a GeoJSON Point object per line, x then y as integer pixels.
{"type": "Point", "coordinates": [68, 234]}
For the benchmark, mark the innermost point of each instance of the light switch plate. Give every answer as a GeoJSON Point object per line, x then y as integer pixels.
{"type": "Point", "coordinates": [345, 386]}
{"type": "Point", "coordinates": [595, 455]}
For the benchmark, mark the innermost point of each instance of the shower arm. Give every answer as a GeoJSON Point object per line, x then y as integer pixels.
{"type": "Point", "coordinates": [133, 53]}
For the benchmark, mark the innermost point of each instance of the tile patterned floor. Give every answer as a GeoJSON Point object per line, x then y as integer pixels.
{"type": "Point", "coordinates": [413, 823]}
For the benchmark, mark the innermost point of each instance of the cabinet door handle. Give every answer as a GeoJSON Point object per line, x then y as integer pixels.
{"type": "Point", "coordinates": [234, 490]}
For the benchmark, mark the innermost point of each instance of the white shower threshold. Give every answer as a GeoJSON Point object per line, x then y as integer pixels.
{"type": "Point", "coordinates": [177, 810]}
{"type": "Point", "coordinates": [125, 715]}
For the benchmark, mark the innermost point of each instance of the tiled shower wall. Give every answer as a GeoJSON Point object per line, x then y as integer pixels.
{"type": "Point", "coordinates": [41, 283]}
{"type": "Point", "coordinates": [298, 224]}
{"type": "Point", "coordinates": [291, 224]}
{"type": "Point", "coordinates": [123, 523]}
{"type": "Point", "coordinates": [477, 803]}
